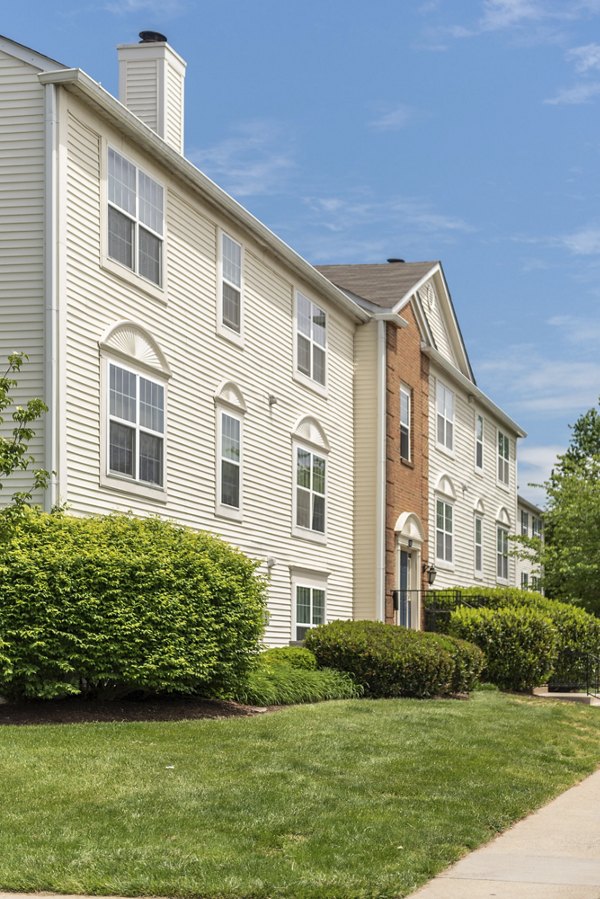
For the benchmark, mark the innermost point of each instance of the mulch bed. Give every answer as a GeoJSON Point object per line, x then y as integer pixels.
{"type": "Point", "coordinates": [80, 711]}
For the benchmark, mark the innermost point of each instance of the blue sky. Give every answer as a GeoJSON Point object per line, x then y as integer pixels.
{"type": "Point", "coordinates": [425, 129]}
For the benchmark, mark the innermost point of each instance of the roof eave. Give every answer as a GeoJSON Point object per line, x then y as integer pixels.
{"type": "Point", "coordinates": [77, 82]}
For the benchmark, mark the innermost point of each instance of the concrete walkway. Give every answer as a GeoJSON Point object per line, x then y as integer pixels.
{"type": "Point", "coordinates": [552, 854]}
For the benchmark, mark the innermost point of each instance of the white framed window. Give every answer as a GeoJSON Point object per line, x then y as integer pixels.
{"type": "Point", "coordinates": [405, 415]}
{"type": "Point", "coordinates": [311, 340]}
{"type": "Point", "coordinates": [479, 442]}
{"type": "Point", "coordinates": [536, 526]}
{"type": "Point", "coordinates": [136, 426]}
{"type": "Point", "coordinates": [229, 463]}
{"type": "Point", "coordinates": [230, 293]}
{"type": "Point", "coordinates": [501, 553]}
{"type": "Point", "coordinates": [478, 544]}
{"type": "Point", "coordinates": [445, 416]}
{"type": "Point", "coordinates": [135, 218]}
{"type": "Point", "coordinates": [535, 583]}
{"type": "Point", "coordinates": [310, 608]}
{"type": "Point", "coordinates": [310, 490]}
{"type": "Point", "coordinates": [524, 523]}
{"type": "Point", "coordinates": [444, 531]}
{"type": "Point", "coordinates": [524, 580]}
{"type": "Point", "coordinates": [503, 457]}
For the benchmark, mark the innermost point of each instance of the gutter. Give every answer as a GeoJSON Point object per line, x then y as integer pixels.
{"type": "Point", "coordinates": [381, 473]}
{"type": "Point", "coordinates": [84, 87]}
{"type": "Point", "coordinates": [472, 390]}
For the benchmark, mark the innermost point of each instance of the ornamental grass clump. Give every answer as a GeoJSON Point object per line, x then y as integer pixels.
{"type": "Point", "coordinates": [520, 644]}
{"type": "Point", "coordinates": [388, 661]}
{"type": "Point", "coordinates": [104, 606]}
{"type": "Point", "coordinates": [286, 676]}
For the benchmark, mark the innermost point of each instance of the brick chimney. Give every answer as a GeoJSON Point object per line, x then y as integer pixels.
{"type": "Point", "coordinates": [151, 79]}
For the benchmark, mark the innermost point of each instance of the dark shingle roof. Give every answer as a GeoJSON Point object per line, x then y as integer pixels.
{"type": "Point", "coordinates": [383, 284]}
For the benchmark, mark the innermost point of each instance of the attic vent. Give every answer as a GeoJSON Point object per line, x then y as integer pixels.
{"type": "Point", "coordinates": [152, 37]}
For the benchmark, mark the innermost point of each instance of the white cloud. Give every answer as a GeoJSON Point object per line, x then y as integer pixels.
{"type": "Point", "coordinates": [576, 95]}
{"type": "Point", "coordinates": [535, 464]}
{"type": "Point", "coordinates": [249, 163]}
{"type": "Point", "coordinates": [577, 330]}
{"type": "Point", "coordinates": [162, 8]}
{"type": "Point", "coordinates": [393, 120]}
{"type": "Point", "coordinates": [586, 57]}
{"type": "Point", "coordinates": [585, 242]}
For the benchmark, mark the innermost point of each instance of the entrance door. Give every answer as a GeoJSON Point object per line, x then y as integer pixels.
{"type": "Point", "coordinates": [404, 612]}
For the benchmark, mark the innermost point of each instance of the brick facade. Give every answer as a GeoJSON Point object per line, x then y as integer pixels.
{"type": "Point", "coordinates": [407, 482]}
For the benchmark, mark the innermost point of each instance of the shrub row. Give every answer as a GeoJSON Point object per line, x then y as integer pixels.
{"type": "Point", "coordinates": [389, 661]}
{"type": "Point", "coordinates": [577, 632]}
{"type": "Point", "coordinates": [112, 604]}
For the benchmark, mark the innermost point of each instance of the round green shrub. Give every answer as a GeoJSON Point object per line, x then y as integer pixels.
{"type": "Point", "coordinates": [294, 656]}
{"type": "Point", "coordinates": [387, 660]}
{"type": "Point", "coordinates": [469, 662]}
{"type": "Point", "coordinates": [111, 604]}
{"type": "Point", "coordinates": [520, 644]}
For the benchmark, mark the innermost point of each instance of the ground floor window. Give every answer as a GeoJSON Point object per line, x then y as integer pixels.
{"type": "Point", "coordinates": [310, 608]}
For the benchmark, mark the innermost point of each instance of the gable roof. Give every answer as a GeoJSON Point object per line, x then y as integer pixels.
{"type": "Point", "coordinates": [382, 284]}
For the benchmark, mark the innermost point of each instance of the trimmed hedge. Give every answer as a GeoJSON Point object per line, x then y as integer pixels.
{"type": "Point", "coordinates": [108, 605]}
{"type": "Point", "coordinates": [294, 656]}
{"type": "Point", "coordinates": [578, 630]}
{"type": "Point", "coordinates": [392, 661]}
{"type": "Point", "coordinates": [276, 682]}
{"type": "Point", "coordinates": [520, 644]}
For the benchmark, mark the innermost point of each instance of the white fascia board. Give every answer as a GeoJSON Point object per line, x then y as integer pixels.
{"type": "Point", "coordinates": [391, 317]}
{"type": "Point", "coordinates": [527, 504]}
{"type": "Point", "coordinates": [26, 54]}
{"type": "Point", "coordinates": [416, 287]}
{"type": "Point", "coordinates": [471, 388]}
{"type": "Point", "coordinates": [84, 87]}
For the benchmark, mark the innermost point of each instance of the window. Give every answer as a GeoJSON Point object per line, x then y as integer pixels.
{"type": "Point", "coordinates": [310, 490]}
{"type": "Point", "coordinates": [502, 553]}
{"type": "Point", "coordinates": [405, 411]}
{"type": "Point", "coordinates": [524, 523]}
{"type": "Point", "coordinates": [230, 461]}
{"type": "Point", "coordinates": [445, 416]}
{"type": "Point", "coordinates": [535, 583]}
{"type": "Point", "coordinates": [479, 442]}
{"type": "Point", "coordinates": [231, 284]}
{"type": "Point", "coordinates": [536, 526]}
{"type": "Point", "coordinates": [311, 337]}
{"type": "Point", "coordinates": [478, 535]}
{"type": "Point", "coordinates": [503, 457]}
{"type": "Point", "coordinates": [135, 218]}
{"type": "Point", "coordinates": [136, 426]}
{"type": "Point", "coordinates": [443, 531]}
{"type": "Point", "coordinates": [524, 581]}
{"type": "Point", "coordinates": [310, 609]}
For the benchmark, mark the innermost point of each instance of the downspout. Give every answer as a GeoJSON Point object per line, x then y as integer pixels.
{"type": "Point", "coordinates": [50, 293]}
{"type": "Point", "coordinates": [381, 473]}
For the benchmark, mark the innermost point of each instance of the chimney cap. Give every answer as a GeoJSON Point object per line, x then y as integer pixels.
{"type": "Point", "coordinates": [152, 37]}
{"type": "Point", "coordinates": [395, 259]}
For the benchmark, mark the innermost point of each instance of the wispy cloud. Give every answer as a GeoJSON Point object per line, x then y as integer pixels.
{"type": "Point", "coordinates": [585, 58]}
{"type": "Point", "coordinates": [393, 119]}
{"type": "Point", "coordinates": [254, 160]}
{"type": "Point", "coordinates": [579, 331]}
{"type": "Point", "coordinates": [580, 93]}
{"type": "Point", "coordinates": [584, 242]}
{"type": "Point", "coordinates": [535, 465]}
{"type": "Point", "coordinates": [162, 8]}
{"type": "Point", "coordinates": [339, 213]}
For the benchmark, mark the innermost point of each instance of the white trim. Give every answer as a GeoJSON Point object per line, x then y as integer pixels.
{"type": "Point", "coordinates": [298, 375]}
{"type": "Point", "coordinates": [406, 391]}
{"type": "Point", "coordinates": [307, 429]}
{"type": "Point", "coordinates": [51, 295]}
{"type": "Point", "coordinates": [443, 562]}
{"type": "Point", "coordinates": [223, 510]}
{"type": "Point", "coordinates": [296, 530]}
{"type": "Point", "coordinates": [229, 394]}
{"type": "Point", "coordinates": [381, 471]}
{"type": "Point", "coordinates": [313, 580]}
{"type": "Point", "coordinates": [236, 337]}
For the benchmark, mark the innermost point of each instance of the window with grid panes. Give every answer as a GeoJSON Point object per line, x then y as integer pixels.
{"type": "Point", "coordinates": [310, 609]}
{"type": "Point", "coordinates": [311, 339]}
{"type": "Point", "coordinates": [524, 522]}
{"type": "Point", "coordinates": [230, 460]}
{"type": "Point", "coordinates": [503, 457]}
{"type": "Point", "coordinates": [135, 218]}
{"type": "Point", "coordinates": [444, 531]}
{"type": "Point", "coordinates": [502, 553]}
{"type": "Point", "coordinates": [405, 412]}
{"type": "Point", "coordinates": [478, 524]}
{"type": "Point", "coordinates": [231, 287]}
{"type": "Point", "coordinates": [136, 426]}
{"type": "Point", "coordinates": [479, 442]}
{"type": "Point", "coordinates": [445, 416]}
{"type": "Point", "coordinates": [310, 490]}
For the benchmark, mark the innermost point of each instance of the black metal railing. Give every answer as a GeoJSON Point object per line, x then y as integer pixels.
{"type": "Point", "coordinates": [578, 672]}
{"type": "Point", "coordinates": [440, 604]}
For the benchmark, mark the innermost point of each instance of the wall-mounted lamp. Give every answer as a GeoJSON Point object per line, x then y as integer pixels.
{"type": "Point", "coordinates": [430, 571]}
{"type": "Point", "coordinates": [270, 562]}
{"type": "Point", "coordinates": [272, 399]}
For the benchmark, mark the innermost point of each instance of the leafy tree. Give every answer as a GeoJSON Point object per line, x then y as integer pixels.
{"type": "Point", "coordinates": [14, 445]}
{"type": "Point", "coordinates": [570, 553]}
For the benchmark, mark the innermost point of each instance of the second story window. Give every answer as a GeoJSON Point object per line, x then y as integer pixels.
{"type": "Point", "coordinates": [536, 526]}
{"type": "Point", "coordinates": [445, 416]}
{"type": "Point", "coordinates": [479, 442]}
{"type": "Point", "coordinates": [310, 490]}
{"type": "Point", "coordinates": [524, 523]}
{"type": "Point", "coordinates": [231, 284]}
{"type": "Point", "coordinates": [135, 218]}
{"type": "Point", "coordinates": [405, 410]}
{"type": "Point", "coordinates": [503, 457]}
{"type": "Point", "coordinates": [136, 430]}
{"type": "Point", "coordinates": [444, 531]}
{"type": "Point", "coordinates": [311, 337]}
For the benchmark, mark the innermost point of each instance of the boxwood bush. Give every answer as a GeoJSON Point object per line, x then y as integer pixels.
{"type": "Point", "coordinates": [578, 632]}
{"type": "Point", "coordinates": [520, 644]}
{"type": "Point", "coordinates": [111, 604]}
{"type": "Point", "coordinates": [392, 661]}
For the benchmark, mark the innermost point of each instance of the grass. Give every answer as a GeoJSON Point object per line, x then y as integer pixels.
{"type": "Point", "coordinates": [343, 799]}
{"type": "Point", "coordinates": [280, 684]}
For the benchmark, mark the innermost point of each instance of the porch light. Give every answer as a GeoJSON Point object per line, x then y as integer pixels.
{"type": "Point", "coordinates": [431, 572]}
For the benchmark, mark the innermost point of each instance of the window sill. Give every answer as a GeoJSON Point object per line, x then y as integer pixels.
{"type": "Point", "coordinates": [309, 536]}
{"type": "Point", "coordinates": [229, 512]}
{"type": "Point", "coordinates": [442, 565]}
{"type": "Point", "coordinates": [131, 278]}
{"type": "Point", "coordinates": [479, 472]}
{"type": "Point", "coordinates": [231, 336]}
{"type": "Point", "coordinates": [134, 488]}
{"type": "Point", "coordinates": [407, 463]}
{"type": "Point", "coordinates": [502, 486]}
{"type": "Point", "coordinates": [444, 449]}
{"type": "Point", "coordinates": [300, 378]}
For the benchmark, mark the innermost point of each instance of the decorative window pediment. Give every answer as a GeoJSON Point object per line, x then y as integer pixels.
{"type": "Point", "coordinates": [135, 344]}
{"type": "Point", "coordinates": [479, 507]}
{"type": "Point", "coordinates": [445, 487]}
{"type": "Point", "coordinates": [409, 526]}
{"type": "Point", "coordinates": [503, 517]}
{"type": "Point", "coordinates": [310, 431]}
{"type": "Point", "coordinates": [229, 393]}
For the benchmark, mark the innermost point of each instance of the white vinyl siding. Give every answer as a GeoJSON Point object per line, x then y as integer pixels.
{"type": "Point", "coordinates": [311, 339]}
{"type": "Point", "coordinates": [22, 244]}
{"type": "Point", "coordinates": [445, 416]}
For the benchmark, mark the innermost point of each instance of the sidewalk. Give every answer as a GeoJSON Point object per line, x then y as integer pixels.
{"type": "Point", "coordinates": [552, 854]}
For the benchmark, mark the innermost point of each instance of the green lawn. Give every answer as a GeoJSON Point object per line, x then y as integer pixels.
{"type": "Point", "coordinates": [345, 799]}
